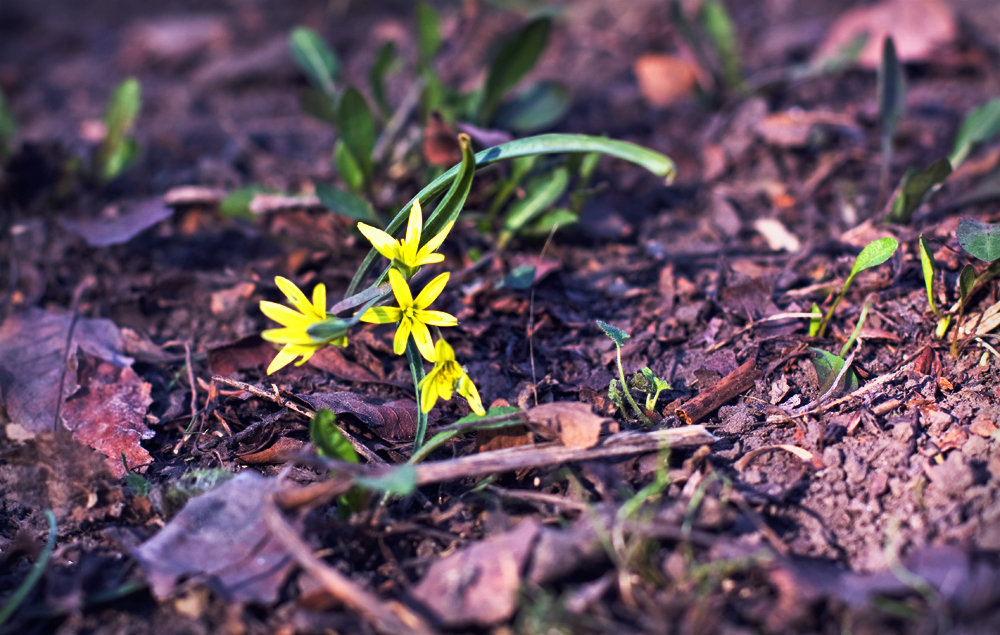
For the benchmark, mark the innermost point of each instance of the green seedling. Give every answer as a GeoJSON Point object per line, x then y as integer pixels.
{"type": "Point", "coordinates": [8, 127]}
{"type": "Point", "coordinates": [915, 187]}
{"type": "Point", "coordinates": [646, 381]}
{"type": "Point", "coordinates": [191, 484]}
{"type": "Point", "coordinates": [618, 388]}
{"type": "Point", "coordinates": [320, 64]}
{"type": "Point", "coordinates": [980, 240]}
{"type": "Point", "coordinates": [713, 42]}
{"type": "Point", "coordinates": [891, 104]}
{"type": "Point", "coordinates": [119, 150]}
{"type": "Point", "coordinates": [874, 254]}
{"type": "Point", "coordinates": [830, 368]}
{"type": "Point", "coordinates": [980, 125]}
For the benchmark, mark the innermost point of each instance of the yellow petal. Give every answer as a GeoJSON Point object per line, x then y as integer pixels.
{"type": "Point", "coordinates": [282, 359]}
{"type": "Point", "coordinates": [443, 352]}
{"type": "Point", "coordinates": [381, 315]}
{"type": "Point", "coordinates": [468, 390]}
{"type": "Point", "coordinates": [400, 289]}
{"type": "Point", "coordinates": [284, 315]}
{"type": "Point", "coordinates": [437, 318]}
{"type": "Point", "coordinates": [319, 300]}
{"type": "Point", "coordinates": [422, 337]}
{"type": "Point", "coordinates": [429, 259]}
{"type": "Point", "coordinates": [381, 241]}
{"type": "Point", "coordinates": [402, 334]}
{"type": "Point", "coordinates": [295, 296]}
{"type": "Point", "coordinates": [431, 291]}
{"type": "Point", "coordinates": [287, 336]}
{"type": "Point", "coordinates": [412, 241]}
{"type": "Point", "coordinates": [428, 392]}
{"type": "Point", "coordinates": [435, 242]}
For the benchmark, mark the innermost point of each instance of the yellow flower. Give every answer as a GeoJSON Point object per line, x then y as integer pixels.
{"type": "Point", "coordinates": [412, 314]}
{"type": "Point", "coordinates": [407, 255]}
{"type": "Point", "coordinates": [447, 377]}
{"type": "Point", "coordinates": [296, 322]}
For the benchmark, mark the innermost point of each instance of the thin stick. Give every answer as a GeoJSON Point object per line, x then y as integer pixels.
{"type": "Point", "coordinates": [729, 387]}
{"type": "Point", "coordinates": [386, 617]}
{"type": "Point", "coordinates": [360, 447]}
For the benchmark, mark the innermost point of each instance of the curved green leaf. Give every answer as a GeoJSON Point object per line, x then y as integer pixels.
{"type": "Point", "coordinates": [315, 58]}
{"type": "Point", "coordinates": [401, 481]}
{"type": "Point", "coordinates": [828, 366]}
{"type": "Point", "coordinates": [556, 143]}
{"type": "Point", "coordinates": [980, 239]}
{"type": "Point", "coordinates": [966, 282]}
{"type": "Point", "coordinates": [345, 203]}
{"type": "Point", "coordinates": [428, 33]}
{"type": "Point", "coordinates": [540, 193]}
{"type": "Point", "coordinates": [617, 335]}
{"type": "Point", "coordinates": [328, 439]}
{"type": "Point", "coordinates": [915, 187]}
{"type": "Point", "coordinates": [539, 106]}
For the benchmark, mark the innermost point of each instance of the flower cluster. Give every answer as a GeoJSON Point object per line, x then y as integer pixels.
{"type": "Point", "coordinates": [307, 327]}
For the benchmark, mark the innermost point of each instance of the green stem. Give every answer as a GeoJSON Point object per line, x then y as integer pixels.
{"type": "Point", "coordinates": [16, 598]}
{"type": "Point", "coordinates": [628, 393]}
{"type": "Point", "coordinates": [417, 369]}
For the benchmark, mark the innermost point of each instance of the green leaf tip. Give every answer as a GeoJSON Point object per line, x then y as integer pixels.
{"type": "Point", "coordinates": [617, 335]}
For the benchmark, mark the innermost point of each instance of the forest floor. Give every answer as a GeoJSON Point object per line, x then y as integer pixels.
{"type": "Point", "coordinates": [746, 496]}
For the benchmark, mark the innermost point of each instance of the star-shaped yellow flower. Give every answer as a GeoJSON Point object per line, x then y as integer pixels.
{"type": "Point", "coordinates": [407, 255]}
{"type": "Point", "coordinates": [296, 321]}
{"type": "Point", "coordinates": [412, 314]}
{"type": "Point", "coordinates": [447, 377]}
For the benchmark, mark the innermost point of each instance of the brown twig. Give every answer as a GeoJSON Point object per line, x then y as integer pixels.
{"type": "Point", "coordinates": [359, 447]}
{"type": "Point", "coordinates": [386, 617]}
{"type": "Point", "coordinates": [729, 387]}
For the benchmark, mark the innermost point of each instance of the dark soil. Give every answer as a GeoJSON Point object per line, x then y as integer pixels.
{"type": "Point", "coordinates": [874, 510]}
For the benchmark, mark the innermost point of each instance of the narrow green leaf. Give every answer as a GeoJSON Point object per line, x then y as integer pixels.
{"type": "Point", "coordinates": [348, 167]}
{"type": "Point", "coordinates": [314, 57]}
{"type": "Point", "coordinates": [541, 193]}
{"type": "Point", "coordinates": [657, 163]}
{"type": "Point", "coordinates": [345, 203]}
{"type": "Point", "coordinates": [891, 90]}
{"type": "Point", "coordinates": [451, 205]}
{"type": "Point", "coordinates": [927, 266]}
{"type": "Point", "coordinates": [385, 60]}
{"type": "Point", "coordinates": [875, 253]}
{"type": "Point", "coordinates": [915, 187]}
{"type": "Point", "coordinates": [966, 283]}
{"type": "Point", "coordinates": [558, 217]}
{"type": "Point", "coordinates": [400, 481]}
{"type": "Point", "coordinates": [979, 125]}
{"type": "Point", "coordinates": [328, 439]}
{"type": "Point", "coordinates": [540, 106]}
{"type": "Point", "coordinates": [496, 411]}
{"type": "Point", "coordinates": [357, 129]}
{"type": "Point", "coordinates": [980, 239]}
{"type": "Point", "coordinates": [617, 335]}
{"type": "Point", "coordinates": [816, 322]}
{"type": "Point", "coordinates": [428, 33]}
{"type": "Point", "coordinates": [118, 151]}
{"type": "Point", "coordinates": [719, 27]}
{"type": "Point", "coordinates": [520, 277]}
{"type": "Point", "coordinates": [516, 56]}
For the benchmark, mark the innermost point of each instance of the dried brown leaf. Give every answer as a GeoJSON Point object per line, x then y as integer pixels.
{"type": "Point", "coordinates": [392, 420]}
{"type": "Point", "coordinates": [115, 227]}
{"type": "Point", "coordinates": [663, 79]}
{"type": "Point", "coordinates": [572, 422]}
{"type": "Point", "coordinates": [221, 537]}
{"type": "Point", "coordinates": [108, 412]}
{"type": "Point", "coordinates": [479, 585]}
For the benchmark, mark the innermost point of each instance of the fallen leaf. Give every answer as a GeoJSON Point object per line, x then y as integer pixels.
{"type": "Point", "coordinates": [776, 235]}
{"type": "Point", "coordinates": [441, 145]}
{"type": "Point", "coordinates": [480, 584]}
{"type": "Point", "coordinates": [663, 79]}
{"type": "Point", "coordinates": [794, 128]}
{"type": "Point", "coordinates": [392, 420]}
{"type": "Point", "coordinates": [245, 353]}
{"type": "Point", "coordinates": [221, 537]}
{"type": "Point", "coordinates": [226, 302]}
{"type": "Point", "coordinates": [331, 360]}
{"type": "Point", "coordinates": [114, 227]}
{"type": "Point", "coordinates": [572, 422]}
{"type": "Point", "coordinates": [108, 412]}
{"type": "Point", "coordinates": [33, 357]}
{"type": "Point", "coordinates": [917, 27]}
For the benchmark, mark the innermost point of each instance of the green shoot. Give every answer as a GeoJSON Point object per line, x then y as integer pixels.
{"type": "Point", "coordinates": [718, 26]}
{"type": "Point", "coordinates": [21, 593]}
{"type": "Point", "coordinates": [914, 189]}
{"type": "Point", "coordinates": [891, 104]}
{"type": "Point", "coordinates": [980, 240]}
{"type": "Point", "coordinates": [119, 150]}
{"type": "Point", "coordinates": [330, 442]}
{"type": "Point", "coordinates": [316, 60]}
{"type": "Point", "coordinates": [927, 266]}
{"type": "Point", "coordinates": [619, 336]}
{"type": "Point", "coordinates": [874, 254]}
{"type": "Point", "coordinates": [646, 381]}
{"type": "Point", "coordinates": [979, 125]}
{"type": "Point", "coordinates": [8, 127]}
